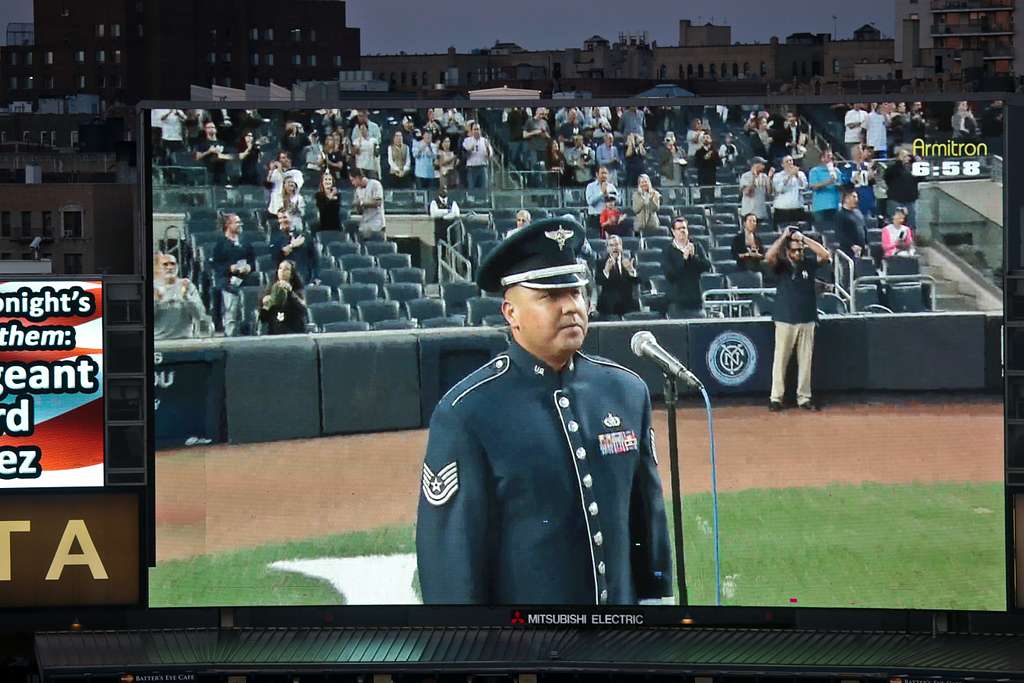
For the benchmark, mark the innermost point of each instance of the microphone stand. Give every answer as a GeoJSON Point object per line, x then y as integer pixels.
{"type": "Point", "coordinates": [671, 396]}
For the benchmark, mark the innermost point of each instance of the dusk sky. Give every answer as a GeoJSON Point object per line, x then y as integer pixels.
{"type": "Point", "coordinates": [395, 25]}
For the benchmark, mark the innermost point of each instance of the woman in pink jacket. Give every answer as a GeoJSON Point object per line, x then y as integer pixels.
{"type": "Point", "coordinates": [897, 237]}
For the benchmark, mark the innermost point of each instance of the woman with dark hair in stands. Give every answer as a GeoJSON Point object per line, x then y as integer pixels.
{"type": "Point", "coordinates": [447, 165]}
{"type": "Point", "coordinates": [283, 307]}
{"type": "Point", "coordinates": [334, 156]}
{"type": "Point", "coordinates": [328, 204]}
{"type": "Point", "coordinates": [556, 165]}
{"type": "Point", "coordinates": [635, 155]}
{"type": "Point", "coordinates": [897, 236]}
{"type": "Point", "coordinates": [249, 156]}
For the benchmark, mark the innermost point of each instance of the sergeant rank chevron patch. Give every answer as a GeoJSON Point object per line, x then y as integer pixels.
{"type": "Point", "coordinates": [439, 488]}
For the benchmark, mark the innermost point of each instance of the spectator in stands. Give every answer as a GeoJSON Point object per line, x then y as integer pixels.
{"type": "Point", "coordinates": [855, 122]}
{"type": "Point", "coordinates": [178, 311]}
{"type": "Point", "coordinates": [612, 217]}
{"type": "Point", "coordinates": [290, 242]}
{"type": "Point", "coordinates": [747, 247]}
{"type": "Point", "coordinates": [636, 152]}
{"type": "Point", "coordinates": [597, 121]}
{"type": "Point", "coordinates": [851, 229]}
{"type": "Point", "coordinates": [536, 134]}
{"type": "Point", "coordinates": [516, 119]}
{"type": "Point", "coordinates": [795, 312]}
{"type": "Point", "coordinates": [608, 157]}
{"type": "Point", "coordinates": [596, 194]}
{"type": "Point", "coordinates": [210, 151]}
{"type": "Point", "coordinates": [571, 128]}
{"type": "Point", "coordinates": [992, 120]}
{"type": "Point", "coordinates": [901, 184]}
{"type": "Point", "coordinates": [334, 156]}
{"type": "Point", "coordinates": [328, 204]}
{"type": "Point", "coordinates": [363, 117]}
{"type": "Point", "coordinates": [432, 124]}
{"type": "Point", "coordinates": [646, 202]}
{"type": "Point", "coordinates": [618, 280]}
{"type": "Point", "coordinates": [478, 156]}
{"type": "Point", "coordinates": [755, 189]}
{"type": "Point", "coordinates": [876, 129]}
{"type": "Point", "coordinates": [249, 157]}
{"type": "Point", "coordinates": [756, 129]}
{"type": "Point", "coordinates": [788, 186]}
{"type": "Point", "coordinates": [682, 262]}
{"type": "Point", "coordinates": [693, 137]}
{"type": "Point", "coordinates": [728, 153]}
{"type": "Point", "coordinates": [280, 171]}
{"type": "Point", "coordinates": [313, 158]}
{"type": "Point", "coordinates": [425, 154]}
{"type": "Point", "coordinates": [399, 162]}
{"type": "Point", "coordinates": [631, 122]}
{"type": "Point", "coordinates": [897, 236]}
{"type": "Point", "coordinates": [579, 162]}
{"type": "Point", "coordinates": [170, 123]}
{"type": "Point", "coordinates": [444, 211]}
{"type": "Point", "coordinates": [671, 162]}
{"type": "Point", "coordinates": [555, 163]}
{"type": "Point", "coordinates": [454, 125]}
{"type": "Point", "coordinates": [409, 132]}
{"type": "Point", "coordinates": [824, 182]}
{"type": "Point", "coordinates": [283, 307]}
{"type": "Point", "coordinates": [369, 204]}
{"type": "Point", "coordinates": [447, 162]}
{"type": "Point", "coordinates": [706, 160]}
{"type": "Point", "coordinates": [523, 218]}
{"type": "Point", "coordinates": [965, 126]}
{"type": "Point", "coordinates": [232, 261]}
{"type": "Point", "coordinates": [859, 173]}
{"type": "Point", "coordinates": [367, 152]}
{"type": "Point", "coordinates": [293, 203]}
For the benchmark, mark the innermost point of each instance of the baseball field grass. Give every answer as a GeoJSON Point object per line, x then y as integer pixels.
{"type": "Point", "coordinates": [919, 546]}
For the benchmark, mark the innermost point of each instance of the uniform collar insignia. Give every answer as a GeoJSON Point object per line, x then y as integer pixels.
{"type": "Point", "coordinates": [611, 421]}
{"type": "Point", "coordinates": [538, 369]}
{"type": "Point", "coordinates": [561, 236]}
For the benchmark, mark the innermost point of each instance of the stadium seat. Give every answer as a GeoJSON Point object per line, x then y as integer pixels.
{"type": "Point", "coordinates": [332, 277]}
{"type": "Point", "coordinates": [482, 249]}
{"type": "Point", "coordinates": [495, 320]}
{"type": "Point", "coordinates": [479, 307]}
{"type": "Point", "coordinates": [648, 256]}
{"type": "Point", "coordinates": [339, 249]}
{"type": "Point", "coordinates": [328, 237]}
{"type": "Point", "coordinates": [378, 247]}
{"type": "Point", "coordinates": [659, 283]}
{"type": "Point", "coordinates": [417, 275]}
{"type": "Point", "coordinates": [866, 295]}
{"type": "Point", "coordinates": [745, 279]}
{"type": "Point", "coordinates": [352, 261]}
{"type": "Point", "coordinates": [399, 324]}
{"type": "Point", "coordinates": [265, 264]}
{"type": "Point", "coordinates": [326, 263]}
{"type": "Point", "coordinates": [403, 291]}
{"type": "Point", "coordinates": [455, 295]}
{"type": "Point", "coordinates": [391, 261]}
{"type": "Point", "coordinates": [316, 294]}
{"type": "Point", "coordinates": [347, 326]}
{"type": "Point", "coordinates": [711, 281]}
{"type": "Point", "coordinates": [902, 265]}
{"type": "Point", "coordinates": [375, 311]}
{"type": "Point", "coordinates": [327, 312]}
{"type": "Point", "coordinates": [646, 270]}
{"type": "Point", "coordinates": [721, 253]}
{"type": "Point", "coordinates": [250, 305]}
{"type": "Point", "coordinates": [657, 242]}
{"type": "Point", "coordinates": [643, 315]}
{"type": "Point", "coordinates": [352, 294]}
{"type": "Point", "coordinates": [376, 276]}
{"type": "Point", "coordinates": [604, 317]}
{"type": "Point", "coordinates": [864, 267]}
{"type": "Point", "coordinates": [599, 246]}
{"type": "Point", "coordinates": [831, 304]}
{"type": "Point", "coordinates": [631, 244]}
{"type": "Point", "coordinates": [443, 321]}
{"type": "Point", "coordinates": [906, 297]}
{"type": "Point", "coordinates": [424, 308]}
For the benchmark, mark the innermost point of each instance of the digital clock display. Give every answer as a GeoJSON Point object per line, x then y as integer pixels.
{"type": "Point", "coordinates": [946, 169]}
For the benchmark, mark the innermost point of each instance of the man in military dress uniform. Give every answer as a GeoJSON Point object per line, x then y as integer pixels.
{"type": "Point", "coordinates": [540, 484]}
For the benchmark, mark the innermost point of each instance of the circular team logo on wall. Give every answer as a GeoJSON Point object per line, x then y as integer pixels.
{"type": "Point", "coordinates": [732, 358]}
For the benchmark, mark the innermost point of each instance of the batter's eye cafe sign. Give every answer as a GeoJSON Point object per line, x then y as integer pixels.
{"type": "Point", "coordinates": [69, 550]}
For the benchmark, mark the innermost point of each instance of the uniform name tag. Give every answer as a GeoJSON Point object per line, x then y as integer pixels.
{"type": "Point", "coordinates": [615, 443]}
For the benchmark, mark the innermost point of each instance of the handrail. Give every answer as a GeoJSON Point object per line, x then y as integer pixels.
{"type": "Point", "coordinates": [837, 277]}
{"type": "Point", "coordinates": [449, 264]}
{"type": "Point", "coordinates": [883, 279]}
{"type": "Point", "coordinates": [731, 293]}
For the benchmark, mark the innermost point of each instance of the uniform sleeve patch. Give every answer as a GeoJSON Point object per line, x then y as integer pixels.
{"type": "Point", "coordinates": [439, 488]}
{"type": "Point", "coordinates": [654, 451]}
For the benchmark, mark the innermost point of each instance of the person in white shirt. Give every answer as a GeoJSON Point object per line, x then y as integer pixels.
{"type": "Point", "coordinates": [877, 127]}
{"type": "Point", "coordinates": [693, 137]}
{"type": "Point", "coordinates": [789, 185]}
{"type": "Point", "coordinates": [369, 203]}
{"type": "Point", "coordinates": [444, 212]}
{"type": "Point", "coordinates": [478, 155]}
{"type": "Point", "coordinates": [756, 188]}
{"type": "Point", "coordinates": [727, 150]}
{"type": "Point", "coordinates": [170, 123]}
{"type": "Point", "coordinates": [280, 171]}
{"type": "Point", "coordinates": [854, 121]}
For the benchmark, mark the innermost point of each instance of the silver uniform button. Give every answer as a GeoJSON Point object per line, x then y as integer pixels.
{"type": "Point", "coordinates": [588, 481]}
{"type": "Point", "coordinates": [598, 538]}
{"type": "Point", "coordinates": [499, 364]}
{"type": "Point", "coordinates": [593, 509]}
{"type": "Point", "coordinates": [563, 402]}
{"type": "Point", "coordinates": [573, 426]}
{"type": "Point", "coordinates": [581, 453]}
{"type": "Point", "coordinates": [600, 568]}
{"type": "Point", "coordinates": [604, 595]}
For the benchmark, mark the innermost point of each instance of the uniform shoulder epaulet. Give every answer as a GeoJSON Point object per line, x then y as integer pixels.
{"type": "Point", "coordinates": [598, 360]}
{"type": "Point", "coordinates": [491, 370]}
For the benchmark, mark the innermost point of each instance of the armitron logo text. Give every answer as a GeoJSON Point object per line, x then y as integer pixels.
{"type": "Point", "coordinates": [951, 148]}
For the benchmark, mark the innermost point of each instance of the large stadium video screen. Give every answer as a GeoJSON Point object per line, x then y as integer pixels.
{"type": "Point", "coordinates": [343, 416]}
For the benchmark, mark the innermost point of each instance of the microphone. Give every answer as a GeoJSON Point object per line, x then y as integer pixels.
{"type": "Point", "coordinates": [644, 345]}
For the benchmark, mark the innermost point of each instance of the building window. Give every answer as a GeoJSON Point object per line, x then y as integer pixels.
{"type": "Point", "coordinates": [71, 221]}
{"type": "Point", "coordinates": [80, 56]}
{"type": "Point", "coordinates": [700, 71]}
{"type": "Point", "coordinates": [26, 223]}
{"type": "Point", "coordinates": [26, 136]}
{"type": "Point", "coordinates": [29, 82]}
{"type": "Point", "coordinates": [5, 223]}
{"type": "Point", "coordinates": [120, 81]}
{"type": "Point", "coordinates": [270, 59]}
{"type": "Point", "coordinates": [296, 35]}
{"type": "Point", "coordinates": [268, 34]}
{"type": "Point", "coordinates": [835, 66]}
{"type": "Point", "coordinates": [48, 223]}
{"type": "Point", "coordinates": [212, 57]}
{"type": "Point", "coordinates": [103, 81]}
{"type": "Point", "coordinates": [403, 78]}
{"type": "Point", "coordinates": [44, 137]}
{"type": "Point", "coordinates": [74, 138]}
{"type": "Point", "coordinates": [255, 58]}
{"type": "Point", "coordinates": [117, 56]}
{"type": "Point", "coordinates": [72, 264]}
{"type": "Point", "coordinates": [100, 30]}
{"type": "Point", "coordinates": [138, 29]}
{"type": "Point", "coordinates": [101, 56]}
{"type": "Point", "coordinates": [227, 81]}
{"type": "Point", "coordinates": [81, 81]}
{"type": "Point", "coordinates": [254, 33]}
{"type": "Point", "coordinates": [312, 35]}
{"type": "Point", "coordinates": [49, 83]}
{"type": "Point", "coordinates": [115, 30]}
{"type": "Point", "coordinates": [13, 59]}
{"type": "Point", "coordinates": [48, 57]}
{"type": "Point", "coordinates": [764, 69]}
{"type": "Point", "coordinates": [311, 60]}
{"type": "Point", "coordinates": [12, 83]}
{"type": "Point", "coordinates": [226, 57]}
{"type": "Point", "coordinates": [337, 60]}
{"type": "Point", "coordinates": [28, 59]}
{"type": "Point", "coordinates": [296, 60]}
{"type": "Point", "coordinates": [414, 79]}
{"type": "Point", "coordinates": [735, 70]}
